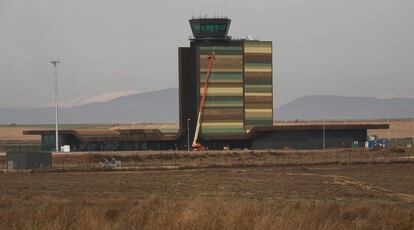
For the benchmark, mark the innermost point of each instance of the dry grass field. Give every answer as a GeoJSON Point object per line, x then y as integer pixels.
{"type": "Point", "coordinates": [9, 133]}
{"type": "Point", "coordinates": [15, 132]}
{"type": "Point", "coordinates": [398, 129]}
{"type": "Point", "coordinates": [354, 196]}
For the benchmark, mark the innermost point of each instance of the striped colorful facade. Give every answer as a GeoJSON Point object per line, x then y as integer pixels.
{"type": "Point", "coordinates": [223, 111]}
{"type": "Point", "coordinates": [258, 91]}
{"type": "Point", "coordinates": [239, 94]}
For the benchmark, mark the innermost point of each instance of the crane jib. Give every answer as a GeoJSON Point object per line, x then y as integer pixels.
{"type": "Point", "coordinates": [195, 145]}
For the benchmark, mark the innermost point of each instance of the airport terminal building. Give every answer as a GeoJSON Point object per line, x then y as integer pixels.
{"type": "Point", "coordinates": [238, 108]}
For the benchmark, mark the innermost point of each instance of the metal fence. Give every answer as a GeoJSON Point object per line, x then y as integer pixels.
{"type": "Point", "coordinates": [3, 163]}
{"type": "Point", "coordinates": [232, 159]}
{"type": "Point", "coordinates": [219, 159]}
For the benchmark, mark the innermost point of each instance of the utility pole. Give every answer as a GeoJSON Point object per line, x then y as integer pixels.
{"type": "Point", "coordinates": [56, 105]}
{"type": "Point", "coordinates": [188, 134]}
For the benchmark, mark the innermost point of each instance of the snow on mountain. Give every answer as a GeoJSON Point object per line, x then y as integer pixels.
{"type": "Point", "coordinates": [86, 99]}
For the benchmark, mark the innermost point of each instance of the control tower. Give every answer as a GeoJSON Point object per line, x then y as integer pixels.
{"type": "Point", "coordinates": [240, 93]}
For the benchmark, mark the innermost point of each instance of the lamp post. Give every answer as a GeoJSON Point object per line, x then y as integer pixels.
{"type": "Point", "coordinates": [324, 141]}
{"type": "Point", "coordinates": [188, 134]}
{"type": "Point", "coordinates": [54, 63]}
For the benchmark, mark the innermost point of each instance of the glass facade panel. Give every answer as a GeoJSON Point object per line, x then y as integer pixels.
{"type": "Point", "coordinates": [209, 28]}
{"type": "Point", "coordinates": [48, 142]}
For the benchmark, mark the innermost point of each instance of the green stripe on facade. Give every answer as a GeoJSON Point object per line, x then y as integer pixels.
{"type": "Point", "coordinates": [221, 130]}
{"type": "Point", "coordinates": [222, 76]}
{"type": "Point", "coordinates": [251, 120]}
{"type": "Point", "coordinates": [257, 44]}
{"type": "Point", "coordinates": [224, 104]}
{"type": "Point", "coordinates": [221, 48]}
{"type": "Point", "coordinates": [224, 107]}
{"type": "Point", "coordinates": [257, 82]}
{"type": "Point", "coordinates": [257, 61]}
{"type": "Point", "coordinates": [224, 99]}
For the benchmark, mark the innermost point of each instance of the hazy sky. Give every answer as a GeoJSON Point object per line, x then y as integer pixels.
{"type": "Point", "coordinates": [348, 47]}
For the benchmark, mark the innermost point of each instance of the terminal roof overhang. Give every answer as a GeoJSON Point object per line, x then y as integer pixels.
{"type": "Point", "coordinates": [85, 135]}
{"type": "Point", "coordinates": [260, 130]}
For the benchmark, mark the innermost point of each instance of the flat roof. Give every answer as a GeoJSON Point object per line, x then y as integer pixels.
{"type": "Point", "coordinates": [258, 130]}
{"type": "Point", "coordinates": [151, 133]}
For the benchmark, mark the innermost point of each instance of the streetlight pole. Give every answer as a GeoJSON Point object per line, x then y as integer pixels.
{"type": "Point", "coordinates": [324, 135]}
{"type": "Point", "coordinates": [56, 105]}
{"type": "Point", "coordinates": [188, 134]}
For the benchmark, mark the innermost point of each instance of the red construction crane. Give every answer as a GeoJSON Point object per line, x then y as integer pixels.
{"type": "Point", "coordinates": [197, 146]}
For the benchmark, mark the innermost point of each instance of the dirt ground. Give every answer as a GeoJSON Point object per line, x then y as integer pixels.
{"type": "Point", "coordinates": [376, 182]}
{"type": "Point", "coordinates": [15, 133]}
{"type": "Point", "coordinates": [8, 133]}
{"type": "Point", "coordinates": [398, 129]}
{"type": "Point", "coordinates": [358, 196]}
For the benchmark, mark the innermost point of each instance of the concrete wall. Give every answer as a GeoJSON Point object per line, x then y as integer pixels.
{"type": "Point", "coordinates": [293, 139]}
{"type": "Point", "coordinates": [29, 160]}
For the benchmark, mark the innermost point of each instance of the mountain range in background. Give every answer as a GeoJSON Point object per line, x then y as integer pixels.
{"type": "Point", "coordinates": [155, 106]}
{"type": "Point", "coordinates": [343, 107]}
{"type": "Point", "coordinates": [162, 106]}
{"type": "Point", "coordinates": [87, 99]}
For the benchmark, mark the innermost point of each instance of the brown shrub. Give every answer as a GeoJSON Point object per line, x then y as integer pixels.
{"type": "Point", "coordinates": [397, 150]}
{"type": "Point", "coordinates": [201, 213]}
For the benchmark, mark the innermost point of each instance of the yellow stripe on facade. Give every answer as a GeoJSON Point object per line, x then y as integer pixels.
{"type": "Point", "coordinates": [258, 94]}
{"type": "Point", "coordinates": [256, 115]}
{"type": "Point", "coordinates": [253, 114]}
{"type": "Point", "coordinates": [223, 91]}
{"type": "Point", "coordinates": [252, 111]}
{"type": "Point", "coordinates": [258, 70]}
{"type": "Point", "coordinates": [251, 49]}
